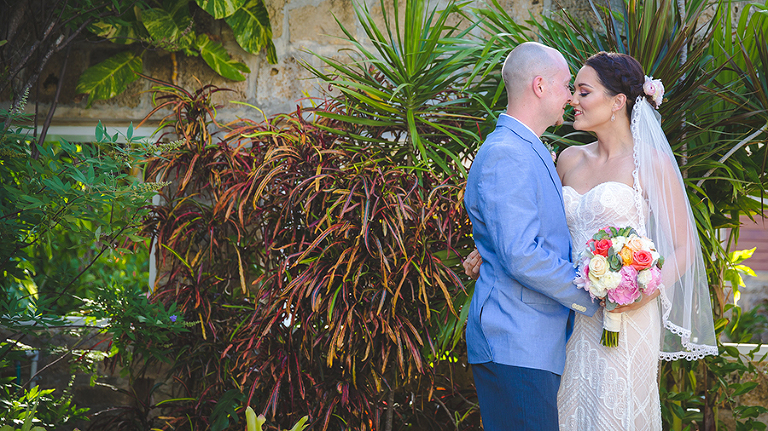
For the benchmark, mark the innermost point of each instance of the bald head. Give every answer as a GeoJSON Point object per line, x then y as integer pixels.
{"type": "Point", "coordinates": [527, 61]}
{"type": "Point", "coordinates": [537, 81]}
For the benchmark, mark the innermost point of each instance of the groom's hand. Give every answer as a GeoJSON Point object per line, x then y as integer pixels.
{"type": "Point", "coordinates": [472, 264]}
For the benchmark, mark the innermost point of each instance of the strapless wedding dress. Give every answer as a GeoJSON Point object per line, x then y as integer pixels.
{"type": "Point", "coordinates": [609, 388]}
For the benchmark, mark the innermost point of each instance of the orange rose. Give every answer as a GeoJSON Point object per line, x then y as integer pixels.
{"type": "Point", "coordinates": [641, 260]}
{"type": "Point", "coordinates": [626, 256]}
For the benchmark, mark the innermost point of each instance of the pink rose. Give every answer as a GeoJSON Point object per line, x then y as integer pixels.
{"type": "Point", "coordinates": [648, 87]}
{"type": "Point", "coordinates": [627, 291]}
{"type": "Point", "coordinates": [655, 89]}
{"type": "Point", "coordinates": [602, 246]}
{"type": "Point", "coordinates": [641, 259]}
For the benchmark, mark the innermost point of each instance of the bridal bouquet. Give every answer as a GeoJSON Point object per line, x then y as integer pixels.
{"type": "Point", "coordinates": [618, 266]}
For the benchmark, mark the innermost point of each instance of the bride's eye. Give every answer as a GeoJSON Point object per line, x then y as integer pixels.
{"type": "Point", "coordinates": [583, 94]}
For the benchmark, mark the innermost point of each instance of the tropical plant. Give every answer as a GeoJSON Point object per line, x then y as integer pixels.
{"type": "Point", "coordinates": [84, 192]}
{"type": "Point", "coordinates": [406, 95]}
{"type": "Point", "coordinates": [320, 276]}
{"type": "Point", "coordinates": [36, 30]}
{"type": "Point", "coordinates": [169, 25]}
{"type": "Point", "coordinates": [69, 215]}
{"type": "Point", "coordinates": [361, 272]}
{"type": "Point", "coordinates": [35, 409]}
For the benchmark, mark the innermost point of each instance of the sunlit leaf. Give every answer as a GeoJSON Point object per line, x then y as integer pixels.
{"type": "Point", "coordinates": [109, 78]}
{"type": "Point", "coordinates": [172, 33]}
{"type": "Point", "coordinates": [219, 59]}
{"type": "Point", "coordinates": [220, 8]}
{"type": "Point", "coordinates": [252, 29]}
{"type": "Point", "coordinates": [119, 33]}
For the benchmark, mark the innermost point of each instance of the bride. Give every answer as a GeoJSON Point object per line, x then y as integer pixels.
{"type": "Point", "coordinates": [628, 177]}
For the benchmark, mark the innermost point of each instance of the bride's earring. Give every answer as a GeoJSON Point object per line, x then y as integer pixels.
{"type": "Point", "coordinates": [613, 117]}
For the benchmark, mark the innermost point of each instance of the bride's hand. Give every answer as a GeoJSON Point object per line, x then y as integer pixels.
{"type": "Point", "coordinates": [636, 305]}
{"type": "Point", "coordinates": [472, 264]}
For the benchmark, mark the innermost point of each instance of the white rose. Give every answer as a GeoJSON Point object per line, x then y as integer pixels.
{"type": "Point", "coordinates": [644, 277]}
{"type": "Point", "coordinates": [598, 266]}
{"type": "Point", "coordinates": [655, 256]}
{"type": "Point", "coordinates": [647, 243]}
{"type": "Point", "coordinates": [596, 288]}
{"type": "Point", "coordinates": [611, 280]}
{"type": "Point", "coordinates": [618, 243]}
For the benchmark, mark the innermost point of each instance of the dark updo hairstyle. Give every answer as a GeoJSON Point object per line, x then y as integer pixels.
{"type": "Point", "coordinates": [620, 74]}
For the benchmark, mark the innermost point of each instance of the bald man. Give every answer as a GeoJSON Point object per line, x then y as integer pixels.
{"type": "Point", "coordinates": [524, 297]}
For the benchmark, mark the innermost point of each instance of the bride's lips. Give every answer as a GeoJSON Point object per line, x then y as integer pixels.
{"type": "Point", "coordinates": [576, 112]}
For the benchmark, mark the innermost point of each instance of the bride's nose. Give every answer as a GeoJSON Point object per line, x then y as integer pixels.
{"type": "Point", "coordinates": [573, 102]}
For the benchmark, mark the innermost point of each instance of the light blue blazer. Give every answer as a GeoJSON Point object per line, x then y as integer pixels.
{"type": "Point", "coordinates": [521, 312]}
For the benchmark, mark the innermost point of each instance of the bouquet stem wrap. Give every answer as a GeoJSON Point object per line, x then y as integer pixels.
{"type": "Point", "coordinates": [611, 328]}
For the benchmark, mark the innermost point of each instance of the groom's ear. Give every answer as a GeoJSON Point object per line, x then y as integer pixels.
{"type": "Point", "coordinates": [537, 85]}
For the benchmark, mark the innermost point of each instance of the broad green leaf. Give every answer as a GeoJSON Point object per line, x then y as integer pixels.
{"type": "Point", "coordinates": [170, 32]}
{"type": "Point", "coordinates": [110, 77]}
{"type": "Point", "coordinates": [745, 270]}
{"type": "Point", "coordinates": [742, 388]}
{"type": "Point", "coordinates": [220, 8]}
{"type": "Point", "coordinates": [179, 9]}
{"type": "Point", "coordinates": [741, 255]}
{"type": "Point", "coordinates": [252, 29]}
{"type": "Point", "coordinates": [123, 33]}
{"type": "Point", "coordinates": [219, 59]}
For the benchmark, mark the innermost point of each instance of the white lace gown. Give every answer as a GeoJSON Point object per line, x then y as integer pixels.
{"type": "Point", "coordinates": [609, 388]}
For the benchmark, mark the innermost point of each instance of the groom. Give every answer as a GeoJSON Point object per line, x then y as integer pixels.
{"type": "Point", "coordinates": [520, 314]}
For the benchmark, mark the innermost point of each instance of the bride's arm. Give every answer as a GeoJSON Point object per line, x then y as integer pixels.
{"type": "Point", "coordinates": [472, 264]}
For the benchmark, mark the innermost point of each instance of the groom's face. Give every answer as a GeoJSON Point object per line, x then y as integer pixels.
{"type": "Point", "coordinates": [560, 92]}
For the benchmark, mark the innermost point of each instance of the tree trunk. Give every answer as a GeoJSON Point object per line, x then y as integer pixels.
{"type": "Point", "coordinates": [390, 409]}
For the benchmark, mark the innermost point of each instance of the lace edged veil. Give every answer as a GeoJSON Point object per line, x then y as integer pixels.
{"type": "Point", "coordinates": [686, 312]}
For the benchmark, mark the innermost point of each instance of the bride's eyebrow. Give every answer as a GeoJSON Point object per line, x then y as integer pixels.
{"type": "Point", "coordinates": [581, 84]}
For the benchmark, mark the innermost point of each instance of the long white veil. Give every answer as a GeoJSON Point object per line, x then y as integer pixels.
{"type": "Point", "coordinates": [686, 310]}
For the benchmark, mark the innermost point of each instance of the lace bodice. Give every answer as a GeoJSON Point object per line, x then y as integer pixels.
{"type": "Point", "coordinates": [609, 388]}
{"type": "Point", "coordinates": [608, 204]}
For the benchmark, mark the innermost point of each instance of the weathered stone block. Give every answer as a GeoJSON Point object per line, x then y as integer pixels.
{"type": "Point", "coordinates": [276, 16]}
{"type": "Point", "coordinates": [317, 23]}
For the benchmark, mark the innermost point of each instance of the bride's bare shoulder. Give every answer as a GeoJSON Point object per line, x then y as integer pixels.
{"type": "Point", "coordinates": [573, 156]}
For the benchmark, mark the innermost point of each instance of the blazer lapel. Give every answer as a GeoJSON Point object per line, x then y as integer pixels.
{"type": "Point", "coordinates": [546, 158]}
{"type": "Point", "coordinates": [524, 133]}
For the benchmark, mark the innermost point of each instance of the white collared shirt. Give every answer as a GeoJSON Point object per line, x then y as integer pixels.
{"type": "Point", "coordinates": [524, 125]}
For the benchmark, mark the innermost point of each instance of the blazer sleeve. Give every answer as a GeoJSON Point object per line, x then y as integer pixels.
{"type": "Point", "coordinates": [510, 191]}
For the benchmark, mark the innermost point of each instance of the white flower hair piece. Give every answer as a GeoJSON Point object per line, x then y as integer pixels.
{"type": "Point", "coordinates": [655, 89]}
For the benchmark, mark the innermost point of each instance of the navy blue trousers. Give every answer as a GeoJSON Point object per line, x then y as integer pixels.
{"type": "Point", "coordinates": [516, 398]}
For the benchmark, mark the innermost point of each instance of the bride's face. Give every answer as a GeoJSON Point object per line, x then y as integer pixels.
{"type": "Point", "coordinates": [592, 106]}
